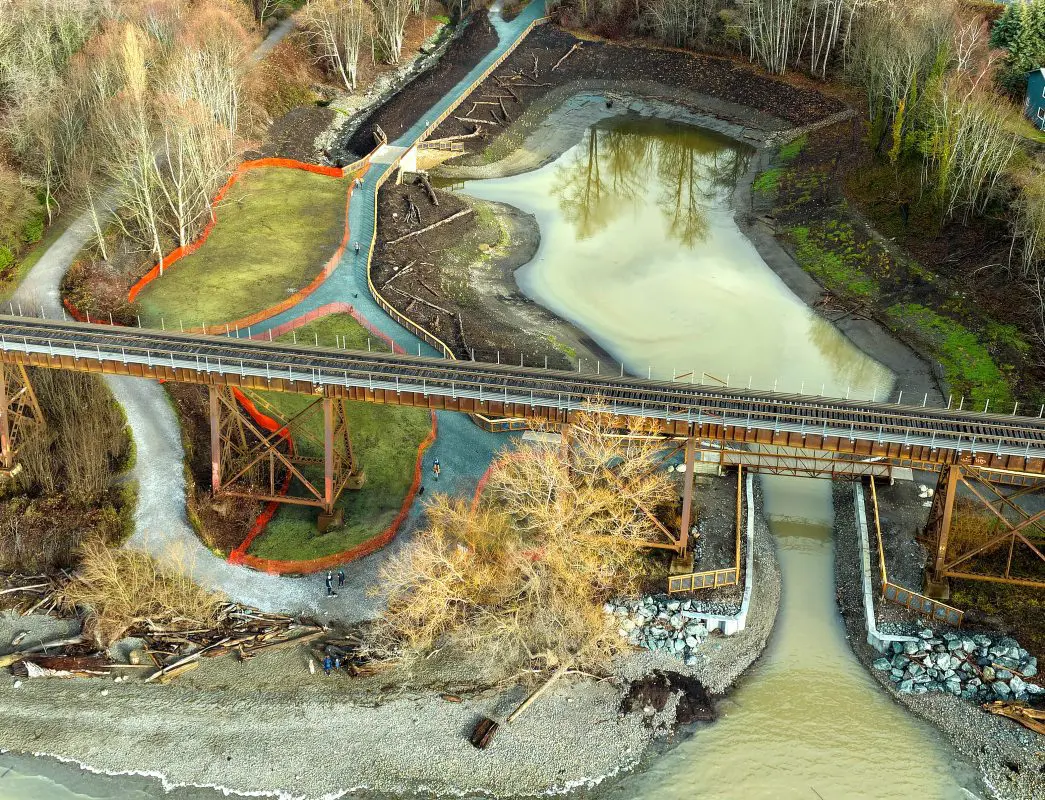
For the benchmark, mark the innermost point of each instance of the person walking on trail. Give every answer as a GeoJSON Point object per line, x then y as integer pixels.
{"type": "Point", "coordinates": [330, 585]}
{"type": "Point", "coordinates": [328, 664]}
{"type": "Point", "coordinates": [436, 469]}
{"type": "Point", "coordinates": [341, 579]}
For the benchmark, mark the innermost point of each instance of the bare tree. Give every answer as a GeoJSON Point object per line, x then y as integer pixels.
{"type": "Point", "coordinates": [390, 18]}
{"type": "Point", "coordinates": [338, 30]}
{"type": "Point", "coordinates": [524, 575]}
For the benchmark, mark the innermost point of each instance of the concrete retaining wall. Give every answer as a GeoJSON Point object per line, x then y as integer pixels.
{"type": "Point", "coordinates": [881, 642]}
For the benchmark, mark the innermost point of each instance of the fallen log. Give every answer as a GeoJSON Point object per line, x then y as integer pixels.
{"type": "Point", "coordinates": [427, 185]}
{"type": "Point", "coordinates": [1030, 718]}
{"type": "Point", "coordinates": [415, 298]}
{"type": "Point", "coordinates": [174, 672]}
{"type": "Point", "coordinates": [473, 120]}
{"type": "Point", "coordinates": [271, 647]}
{"type": "Point", "coordinates": [486, 728]}
{"type": "Point", "coordinates": [403, 271]}
{"type": "Point", "coordinates": [186, 660]}
{"type": "Point", "coordinates": [568, 54]}
{"type": "Point", "coordinates": [447, 139]}
{"type": "Point", "coordinates": [11, 658]}
{"type": "Point", "coordinates": [430, 290]}
{"type": "Point", "coordinates": [434, 225]}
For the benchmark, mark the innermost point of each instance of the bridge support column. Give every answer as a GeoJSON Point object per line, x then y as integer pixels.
{"type": "Point", "coordinates": [19, 413]}
{"type": "Point", "coordinates": [1002, 540]}
{"type": "Point", "coordinates": [687, 495]}
{"type": "Point", "coordinates": [306, 458]}
{"type": "Point", "coordinates": [938, 529]}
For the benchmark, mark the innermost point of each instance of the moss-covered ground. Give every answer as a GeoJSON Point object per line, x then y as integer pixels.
{"type": "Point", "coordinates": [275, 230]}
{"type": "Point", "coordinates": [917, 275]}
{"type": "Point", "coordinates": [385, 440]}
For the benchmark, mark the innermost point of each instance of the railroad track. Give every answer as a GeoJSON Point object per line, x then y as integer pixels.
{"type": "Point", "coordinates": [301, 368]}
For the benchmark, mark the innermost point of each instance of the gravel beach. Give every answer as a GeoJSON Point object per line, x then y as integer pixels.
{"type": "Point", "coordinates": [221, 724]}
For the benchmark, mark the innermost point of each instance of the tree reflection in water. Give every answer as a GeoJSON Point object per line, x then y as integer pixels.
{"type": "Point", "coordinates": [682, 170]}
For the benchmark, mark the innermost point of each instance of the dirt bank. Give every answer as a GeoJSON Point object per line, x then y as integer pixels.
{"type": "Point", "coordinates": [404, 108]}
{"type": "Point", "coordinates": [458, 281]}
{"type": "Point", "coordinates": [513, 88]}
{"type": "Point", "coordinates": [1008, 756]}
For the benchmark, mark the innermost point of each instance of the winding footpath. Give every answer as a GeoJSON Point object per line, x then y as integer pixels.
{"type": "Point", "coordinates": [161, 525]}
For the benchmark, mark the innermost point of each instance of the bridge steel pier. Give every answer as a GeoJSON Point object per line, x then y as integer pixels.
{"type": "Point", "coordinates": [992, 491]}
{"type": "Point", "coordinates": [265, 457]}
{"type": "Point", "coordinates": [19, 413]}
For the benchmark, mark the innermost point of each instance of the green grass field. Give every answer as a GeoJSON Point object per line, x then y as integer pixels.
{"type": "Point", "coordinates": [385, 441]}
{"type": "Point", "coordinates": [276, 229]}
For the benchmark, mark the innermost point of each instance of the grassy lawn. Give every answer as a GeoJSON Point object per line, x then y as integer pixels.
{"type": "Point", "coordinates": [276, 228]}
{"type": "Point", "coordinates": [385, 441]}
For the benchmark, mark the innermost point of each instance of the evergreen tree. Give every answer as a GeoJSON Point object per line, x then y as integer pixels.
{"type": "Point", "coordinates": [1008, 26]}
{"type": "Point", "coordinates": [1020, 31]}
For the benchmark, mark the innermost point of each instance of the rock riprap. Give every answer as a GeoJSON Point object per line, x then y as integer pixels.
{"type": "Point", "coordinates": [659, 623]}
{"type": "Point", "coordinates": [976, 667]}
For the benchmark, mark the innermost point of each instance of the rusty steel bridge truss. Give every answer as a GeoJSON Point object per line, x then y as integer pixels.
{"type": "Point", "coordinates": [19, 413]}
{"type": "Point", "coordinates": [285, 461]}
{"type": "Point", "coordinates": [1010, 531]}
{"type": "Point", "coordinates": [761, 431]}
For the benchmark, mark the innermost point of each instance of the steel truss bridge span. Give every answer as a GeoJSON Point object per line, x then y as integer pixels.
{"type": "Point", "coordinates": [904, 434]}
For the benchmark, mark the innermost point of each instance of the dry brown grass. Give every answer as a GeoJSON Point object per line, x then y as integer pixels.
{"type": "Point", "coordinates": [971, 527]}
{"type": "Point", "coordinates": [124, 589]}
{"type": "Point", "coordinates": [83, 444]}
{"type": "Point", "coordinates": [525, 575]}
{"type": "Point", "coordinates": [67, 490]}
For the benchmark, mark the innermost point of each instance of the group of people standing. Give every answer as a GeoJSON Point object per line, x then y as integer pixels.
{"type": "Point", "coordinates": [330, 582]}
{"type": "Point", "coordinates": [436, 470]}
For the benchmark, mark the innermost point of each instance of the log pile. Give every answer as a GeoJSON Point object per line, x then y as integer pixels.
{"type": "Point", "coordinates": [241, 630]}
{"type": "Point", "coordinates": [32, 594]}
{"type": "Point", "coordinates": [166, 653]}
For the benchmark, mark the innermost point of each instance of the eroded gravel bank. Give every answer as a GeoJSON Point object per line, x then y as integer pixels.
{"type": "Point", "coordinates": [1009, 757]}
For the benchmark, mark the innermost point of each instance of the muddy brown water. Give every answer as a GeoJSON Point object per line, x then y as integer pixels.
{"type": "Point", "coordinates": [639, 249]}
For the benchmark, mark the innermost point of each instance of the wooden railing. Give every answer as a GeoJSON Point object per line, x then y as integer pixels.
{"type": "Point", "coordinates": [711, 579]}
{"type": "Point", "coordinates": [495, 425]}
{"type": "Point", "coordinates": [900, 595]}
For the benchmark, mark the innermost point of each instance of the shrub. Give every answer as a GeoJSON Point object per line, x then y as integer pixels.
{"type": "Point", "coordinates": [125, 589]}
{"type": "Point", "coordinates": [525, 573]}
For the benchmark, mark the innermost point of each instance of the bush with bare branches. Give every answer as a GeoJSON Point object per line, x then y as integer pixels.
{"type": "Point", "coordinates": [524, 574]}
{"type": "Point", "coordinates": [124, 589]}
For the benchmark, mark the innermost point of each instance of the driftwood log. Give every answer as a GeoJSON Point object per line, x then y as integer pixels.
{"type": "Point", "coordinates": [463, 213]}
{"type": "Point", "coordinates": [427, 186]}
{"type": "Point", "coordinates": [569, 53]}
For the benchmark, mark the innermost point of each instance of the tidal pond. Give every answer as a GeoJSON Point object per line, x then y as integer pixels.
{"type": "Point", "coordinates": [640, 249]}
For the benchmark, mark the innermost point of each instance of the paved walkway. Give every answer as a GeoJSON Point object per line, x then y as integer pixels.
{"type": "Point", "coordinates": [160, 520]}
